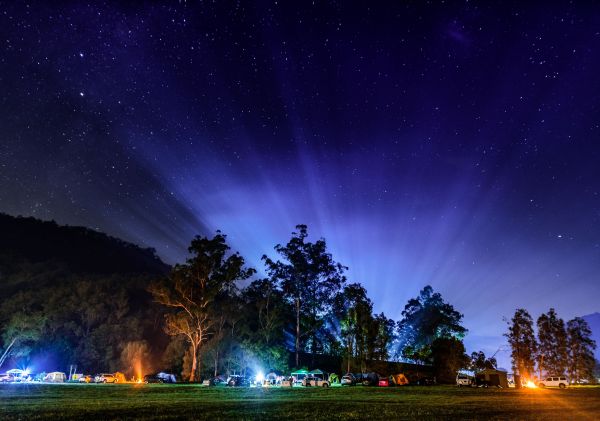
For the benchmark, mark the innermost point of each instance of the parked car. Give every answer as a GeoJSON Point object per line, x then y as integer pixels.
{"type": "Point", "coordinates": [105, 378]}
{"type": "Point", "coordinates": [309, 381]}
{"type": "Point", "coordinates": [215, 381]}
{"type": "Point", "coordinates": [237, 381]}
{"type": "Point", "coordinates": [348, 380]}
{"type": "Point", "coordinates": [555, 381]}
{"type": "Point", "coordinates": [369, 379]}
{"type": "Point", "coordinates": [86, 378]}
{"type": "Point", "coordinates": [464, 380]}
{"type": "Point", "coordinates": [160, 378]}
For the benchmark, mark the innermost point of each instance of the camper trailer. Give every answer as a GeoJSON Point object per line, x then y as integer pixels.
{"type": "Point", "coordinates": [55, 377]}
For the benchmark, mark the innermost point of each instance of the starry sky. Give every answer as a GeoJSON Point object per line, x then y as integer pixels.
{"type": "Point", "coordinates": [456, 145]}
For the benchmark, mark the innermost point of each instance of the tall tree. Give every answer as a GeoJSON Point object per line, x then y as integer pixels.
{"type": "Point", "coordinates": [264, 323]}
{"type": "Point", "coordinates": [191, 288]}
{"type": "Point", "coordinates": [552, 344]}
{"type": "Point", "coordinates": [521, 339]}
{"type": "Point", "coordinates": [353, 311]}
{"type": "Point", "coordinates": [310, 279]}
{"type": "Point", "coordinates": [581, 346]}
{"type": "Point", "coordinates": [381, 336]}
{"type": "Point", "coordinates": [425, 319]}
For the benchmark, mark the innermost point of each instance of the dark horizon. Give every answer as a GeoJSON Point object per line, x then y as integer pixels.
{"type": "Point", "coordinates": [451, 145]}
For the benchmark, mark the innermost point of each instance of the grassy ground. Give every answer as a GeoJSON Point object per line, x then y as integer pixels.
{"type": "Point", "coordinates": [27, 402]}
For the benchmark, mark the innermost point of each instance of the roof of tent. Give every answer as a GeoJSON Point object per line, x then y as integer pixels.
{"type": "Point", "coordinates": [300, 372]}
{"type": "Point", "coordinates": [316, 371]}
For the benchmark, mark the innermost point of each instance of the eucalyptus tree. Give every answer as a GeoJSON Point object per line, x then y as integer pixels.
{"type": "Point", "coordinates": [191, 289]}
{"type": "Point", "coordinates": [580, 346]}
{"type": "Point", "coordinates": [309, 279]}
{"type": "Point", "coordinates": [523, 344]}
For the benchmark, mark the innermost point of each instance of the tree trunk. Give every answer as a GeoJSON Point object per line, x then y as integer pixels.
{"type": "Point", "coordinates": [216, 362]}
{"type": "Point", "coordinates": [194, 364]}
{"type": "Point", "coordinates": [297, 332]}
{"type": "Point", "coordinates": [6, 351]}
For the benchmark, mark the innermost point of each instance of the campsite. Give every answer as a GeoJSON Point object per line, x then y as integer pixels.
{"type": "Point", "coordinates": [153, 401]}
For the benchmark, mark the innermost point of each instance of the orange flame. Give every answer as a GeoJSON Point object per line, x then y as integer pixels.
{"type": "Point", "coordinates": [137, 370]}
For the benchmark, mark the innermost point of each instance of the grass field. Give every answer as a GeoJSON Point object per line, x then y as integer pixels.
{"type": "Point", "coordinates": [36, 401]}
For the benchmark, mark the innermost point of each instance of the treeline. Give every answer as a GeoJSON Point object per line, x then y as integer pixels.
{"type": "Point", "coordinates": [557, 349]}
{"type": "Point", "coordinates": [212, 315]}
{"type": "Point", "coordinates": [71, 295]}
{"type": "Point", "coordinates": [305, 305]}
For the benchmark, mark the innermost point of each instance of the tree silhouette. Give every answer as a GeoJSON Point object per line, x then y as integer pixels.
{"type": "Point", "coordinates": [310, 279]}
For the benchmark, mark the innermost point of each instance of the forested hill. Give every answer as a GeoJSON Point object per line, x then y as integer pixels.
{"type": "Point", "coordinates": [26, 242]}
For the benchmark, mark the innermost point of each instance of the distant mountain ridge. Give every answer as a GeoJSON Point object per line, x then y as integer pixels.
{"type": "Point", "coordinates": [29, 241]}
{"type": "Point", "coordinates": [594, 322]}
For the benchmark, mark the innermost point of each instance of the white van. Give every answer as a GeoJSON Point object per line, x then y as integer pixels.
{"type": "Point", "coordinates": [464, 380]}
{"type": "Point", "coordinates": [554, 381]}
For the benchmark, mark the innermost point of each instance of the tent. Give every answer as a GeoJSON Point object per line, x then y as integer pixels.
{"type": "Point", "coordinates": [55, 377]}
{"type": "Point", "coordinates": [399, 379]}
{"type": "Point", "coordinates": [299, 375]}
{"type": "Point", "coordinates": [492, 377]}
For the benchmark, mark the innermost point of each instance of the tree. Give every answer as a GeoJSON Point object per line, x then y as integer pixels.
{"type": "Point", "coordinates": [264, 323]}
{"type": "Point", "coordinates": [581, 346]}
{"type": "Point", "coordinates": [448, 357]}
{"type": "Point", "coordinates": [480, 362]}
{"type": "Point", "coordinates": [21, 331]}
{"type": "Point", "coordinates": [552, 344]}
{"type": "Point", "coordinates": [310, 279]}
{"type": "Point", "coordinates": [381, 336]}
{"type": "Point", "coordinates": [191, 288]}
{"type": "Point", "coordinates": [522, 341]}
{"type": "Point", "coordinates": [425, 319]}
{"type": "Point", "coordinates": [353, 311]}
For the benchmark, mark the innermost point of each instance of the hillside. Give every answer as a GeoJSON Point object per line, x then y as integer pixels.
{"type": "Point", "coordinates": [90, 288]}
{"type": "Point", "coordinates": [78, 250]}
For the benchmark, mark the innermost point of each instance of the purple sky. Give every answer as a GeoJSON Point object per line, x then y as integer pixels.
{"type": "Point", "coordinates": [452, 145]}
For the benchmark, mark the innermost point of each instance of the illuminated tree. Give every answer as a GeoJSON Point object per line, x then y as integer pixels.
{"type": "Point", "coordinates": [265, 316]}
{"type": "Point", "coordinates": [354, 309]}
{"type": "Point", "coordinates": [19, 334]}
{"type": "Point", "coordinates": [310, 279]}
{"type": "Point", "coordinates": [192, 287]}
{"type": "Point", "coordinates": [521, 339]}
{"type": "Point", "coordinates": [581, 346]}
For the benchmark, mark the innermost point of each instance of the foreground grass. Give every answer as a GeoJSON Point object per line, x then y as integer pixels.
{"type": "Point", "coordinates": [166, 402]}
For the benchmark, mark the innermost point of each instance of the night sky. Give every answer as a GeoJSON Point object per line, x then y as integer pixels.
{"type": "Point", "coordinates": [456, 145]}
